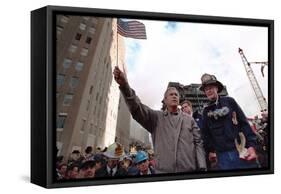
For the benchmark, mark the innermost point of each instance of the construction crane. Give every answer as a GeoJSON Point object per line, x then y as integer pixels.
{"type": "Point", "coordinates": [263, 64]}
{"type": "Point", "coordinates": [254, 83]}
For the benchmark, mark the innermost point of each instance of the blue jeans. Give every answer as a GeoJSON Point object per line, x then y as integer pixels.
{"type": "Point", "coordinates": [230, 160]}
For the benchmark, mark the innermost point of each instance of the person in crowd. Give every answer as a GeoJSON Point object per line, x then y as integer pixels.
{"type": "Point", "coordinates": [87, 169]}
{"type": "Point", "coordinates": [88, 153]}
{"type": "Point", "coordinates": [113, 154]}
{"type": "Point", "coordinates": [151, 159]}
{"type": "Point", "coordinates": [75, 158]}
{"type": "Point", "coordinates": [61, 171]}
{"type": "Point", "coordinates": [142, 164]}
{"type": "Point", "coordinates": [127, 164]}
{"type": "Point", "coordinates": [98, 150]}
{"type": "Point", "coordinates": [261, 130]}
{"type": "Point", "coordinates": [72, 172]}
{"type": "Point", "coordinates": [186, 106]}
{"type": "Point", "coordinates": [100, 161]}
{"type": "Point", "coordinates": [59, 161]}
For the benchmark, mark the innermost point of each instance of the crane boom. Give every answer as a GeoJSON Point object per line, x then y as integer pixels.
{"type": "Point", "coordinates": [254, 83]}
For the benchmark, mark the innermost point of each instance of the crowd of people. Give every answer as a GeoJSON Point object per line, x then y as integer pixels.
{"type": "Point", "coordinates": [111, 162]}
{"type": "Point", "coordinates": [260, 127]}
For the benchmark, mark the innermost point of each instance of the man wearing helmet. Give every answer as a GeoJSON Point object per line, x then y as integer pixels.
{"type": "Point", "coordinates": [142, 164]}
{"type": "Point", "coordinates": [224, 123]}
{"type": "Point", "coordinates": [178, 146]}
{"type": "Point", "coordinates": [111, 169]}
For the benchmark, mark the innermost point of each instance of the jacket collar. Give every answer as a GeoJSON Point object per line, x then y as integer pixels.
{"type": "Point", "coordinates": [166, 112]}
{"type": "Point", "coordinates": [215, 102]}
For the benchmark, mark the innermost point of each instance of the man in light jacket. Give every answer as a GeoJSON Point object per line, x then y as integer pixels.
{"type": "Point", "coordinates": [178, 146]}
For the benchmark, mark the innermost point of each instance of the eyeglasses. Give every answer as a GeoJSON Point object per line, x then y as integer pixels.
{"type": "Point", "coordinates": [141, 162]}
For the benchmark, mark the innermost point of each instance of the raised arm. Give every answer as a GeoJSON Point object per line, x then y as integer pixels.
{"type": "Point", "coordinates": [140, 112]}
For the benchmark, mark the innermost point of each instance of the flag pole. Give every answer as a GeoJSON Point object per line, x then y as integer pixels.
{"type": "Point", "coordinates": [117, 41]}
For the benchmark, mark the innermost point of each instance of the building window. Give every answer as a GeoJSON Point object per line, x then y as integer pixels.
{"type": "Point", "coordinates": [72, 48]}
{"type": "Point", "coordinates": [92, 128]}
{"type": "Point", "coordinates": [83, 125]}
{"type": "Point", "coordinates": [78, 36]}
{"type": "Point", "coordinates": [61, 121]}
{"type": "Point", "coordinates": [59, 30]}
{"type": "Point", "coordinates": [97, 96]}
{"type": "Point", "coordinates": [64, 19]}
{"type": "Point", "coordinates": [92, 30]}
{"type": "Point", "coordinates": [67, 99]}
{"type": "Point", "coordinates": [95, 20]}
{"type": "Point", "coordinates": [100, 100]}
{"type": "Point", "coordinates": [66, 63]}
{"type": "Point", "coordinates": [99, 113]}
{"type": "Point", "coordinates": [84, 52]}
{"type": "Point", "coordinates": [95, 109]}
{"type": "Point", "coordinates": [57, 95]}
{"type": "Point", "coordinates": [60, 79]}
{"type": "Point", "coordinates": [88, 105]}
{"type": "Point", "coordinates": [88, 40]}
{"type": "Point", "coordinates": [86, 18]}
{"type": "Point", "coordinates": [74, 81]}
{"type": "Point", "coordinates": [91, 90]}
{"type": "Point", "coordinates": [82, 26]}
{"type": "Point", "coordinates": [79, 66]}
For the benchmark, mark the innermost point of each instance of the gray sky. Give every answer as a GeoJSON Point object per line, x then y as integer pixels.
{"type": "Point", "coordinates": [182, 52]}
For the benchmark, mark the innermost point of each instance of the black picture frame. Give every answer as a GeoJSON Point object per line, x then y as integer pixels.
{"type": "Point", "coordinates": [43, 95]}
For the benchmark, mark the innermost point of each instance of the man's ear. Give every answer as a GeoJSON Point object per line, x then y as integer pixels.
{"type": "Point", "coordinates": [217, 89]}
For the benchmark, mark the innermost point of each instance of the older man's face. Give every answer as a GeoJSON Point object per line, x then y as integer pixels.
{"type": "Point", "coordinates": [172, 98]}
{"type": "Point", "coordinates": [211, 92]}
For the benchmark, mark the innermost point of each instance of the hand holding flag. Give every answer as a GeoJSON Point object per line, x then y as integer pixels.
{"type": "Point", "coordinates": [119, 76]}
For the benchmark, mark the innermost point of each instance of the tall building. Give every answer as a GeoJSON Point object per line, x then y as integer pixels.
{"type": "Point", "coordinates": [87, 96]}
{"type": "Point", "coordinates": [139, 135]}
{"type": "Point", "coordinates": [123, 124]}
{"type": "Point", "coordinates": [194, 95]}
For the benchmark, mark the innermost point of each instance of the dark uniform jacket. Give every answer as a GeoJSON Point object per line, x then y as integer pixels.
{"type": "Point", "coordinates": [220, 131]}
{"type": "Point", "coordinates": [104, 173]}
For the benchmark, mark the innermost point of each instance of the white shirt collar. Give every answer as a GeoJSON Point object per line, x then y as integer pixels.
{"type": "Point", "coordinates": [113, 170]}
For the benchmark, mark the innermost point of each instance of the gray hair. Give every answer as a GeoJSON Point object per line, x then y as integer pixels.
{"type": "Point", "coordinates": [171, 88]}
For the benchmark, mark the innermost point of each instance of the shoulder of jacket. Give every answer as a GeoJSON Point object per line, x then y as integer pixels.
{"type": "Point", "coordinates": [226, 98]}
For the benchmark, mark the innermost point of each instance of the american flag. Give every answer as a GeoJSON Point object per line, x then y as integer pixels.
{"type": "Point", "coordinates": [131, 29]}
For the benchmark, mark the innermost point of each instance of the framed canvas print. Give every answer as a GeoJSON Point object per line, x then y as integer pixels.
{"type": "Point", "coordinates": [125, 96]}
